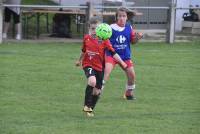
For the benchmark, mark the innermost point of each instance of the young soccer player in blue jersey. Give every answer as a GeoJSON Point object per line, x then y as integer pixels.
{"type": "Point", "coordinates": [123, 35]}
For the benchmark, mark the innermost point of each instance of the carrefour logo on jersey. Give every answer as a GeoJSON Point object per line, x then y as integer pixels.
{"type": "Point", "coordinates": [121, 39]}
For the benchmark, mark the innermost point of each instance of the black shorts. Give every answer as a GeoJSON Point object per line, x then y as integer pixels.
{"type": "Point", "coordinates": [89, 71]}
{"type": "Point", "coordinates": [8, 13]}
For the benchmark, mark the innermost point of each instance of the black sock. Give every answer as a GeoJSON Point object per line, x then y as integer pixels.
{"type": "Point", "coordinates": [88, 96]}
{"type": "Point", "coordinates": [95, 98]}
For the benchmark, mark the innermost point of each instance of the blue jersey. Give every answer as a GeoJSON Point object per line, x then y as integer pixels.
{"type": "Point", "coordinates": [120, 40]}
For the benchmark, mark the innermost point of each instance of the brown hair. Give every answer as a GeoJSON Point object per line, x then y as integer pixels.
{"type": "Point", "coordinates": [94, 20]}
{"type": "Point", "coordinates": [130, 13]}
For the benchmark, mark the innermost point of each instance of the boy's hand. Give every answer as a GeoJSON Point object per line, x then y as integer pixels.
{"type": "Point", "coordinates": [136, 37]}
{"type": "Point", "coordinates": [139, 35]}
{"type": "Point", "coordinates": [78, 63]}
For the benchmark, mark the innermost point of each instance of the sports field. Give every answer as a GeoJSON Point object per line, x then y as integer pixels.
{"type": "Point", "coordinates": [41, 91]}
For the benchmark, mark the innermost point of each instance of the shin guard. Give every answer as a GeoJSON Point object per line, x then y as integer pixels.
{"type": "Point", "coordinates": [88, 96]}
{"type": "Point", "coordinates": [95, 98]}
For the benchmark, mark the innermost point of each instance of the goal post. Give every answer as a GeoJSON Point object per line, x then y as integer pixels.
{"type": "Point", "coordinates": [170, 34]}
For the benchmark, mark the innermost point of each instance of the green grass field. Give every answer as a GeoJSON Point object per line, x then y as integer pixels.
{"type": "Point", "coordinates": [41, 91]}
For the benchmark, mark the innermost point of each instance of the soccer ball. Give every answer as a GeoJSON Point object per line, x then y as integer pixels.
{"type": "Point", "coordinates": [104, 31]}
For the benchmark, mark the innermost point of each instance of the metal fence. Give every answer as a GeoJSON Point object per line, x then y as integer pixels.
{"type": "Point", "coordinates": [170, 25]}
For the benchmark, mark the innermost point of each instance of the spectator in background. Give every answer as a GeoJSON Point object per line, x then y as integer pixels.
{"type": "Point", "coordinates": [61, 25]}
{"type": "Point", "coordinates": [191, 16]}
{"type": "Point", "coordinates": [197, 11]}
{"type": "Point", "coordinates": [8, 13]}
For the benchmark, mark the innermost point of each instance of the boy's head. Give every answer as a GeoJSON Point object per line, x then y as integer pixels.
{"type": "Point", "coordinates": [122, 14]}
{"type": "Point", "coordinates": [93, 23]}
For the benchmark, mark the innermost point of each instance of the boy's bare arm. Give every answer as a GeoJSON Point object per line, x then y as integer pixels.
{"type": "Point", "coordinates": [136, 37]}
{"type": "Point", "coordinates": [119, 60]}
{"type": "Point", "coordinates": [79, 61]}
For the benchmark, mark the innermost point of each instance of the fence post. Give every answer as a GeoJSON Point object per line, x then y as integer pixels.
{"type": "Point", "coordinates": [88, 15]}
{"type": "Point", "coordinates": [1, 21]}
{"type": "Point", "coordinates": [171, 23]}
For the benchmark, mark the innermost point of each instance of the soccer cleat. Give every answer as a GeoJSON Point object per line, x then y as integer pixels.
{"type": "Point", "coordinates": [128, 95]}
{"type": "Point", "coordinates": [87, 109]}
{"type": "Point", "coordinates": [89, 114]}
{"type": "Point", "coordinates": [131, 97]}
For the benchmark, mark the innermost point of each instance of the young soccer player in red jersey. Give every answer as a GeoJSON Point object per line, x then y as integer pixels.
{"type": "Point", "coordinates": [122, 36]}
{"type": "Point", "coordinates": [92, 60]}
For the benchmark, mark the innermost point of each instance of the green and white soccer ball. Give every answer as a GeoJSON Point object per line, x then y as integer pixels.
{"type": "Point", "coordinates": [104, 31]}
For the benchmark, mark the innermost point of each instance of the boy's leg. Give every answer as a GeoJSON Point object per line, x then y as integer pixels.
{"type": "Point", "coordinates": [95, 97]}
{"type": "Point", "coordinates": [97, 90]}
{"type": "Point", "coordinates": [109, 66]}
{"type": "Point", "coordinates": [130, 73]}
{"type": "Point", "coordinates": [108, 69]}
{"type": "Point", "coordinates": [89, 72]}
{"type": "Point", "coordinates": [7, 18]}
{"type": "Point", "coordinates": [18, 29]}
{"type": "Point", "coordinates": [17, 25]}
{"type": "Point", "coordinates": [88, 98]}
{"type": "Point", "coordinates": [129, 92]}
{"type": "Point", "coordinates": [5, 29]}
{"type": "Point", "coordinates": [16, 18]}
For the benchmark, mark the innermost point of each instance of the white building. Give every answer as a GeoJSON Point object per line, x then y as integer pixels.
{"type": "Point", "coordinates": [151, 19]}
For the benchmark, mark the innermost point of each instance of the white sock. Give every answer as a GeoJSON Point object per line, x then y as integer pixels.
{"type": "Point", "coordinates": [18, 37]}
{"type": "Point", "coordinates": [130, 87]}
